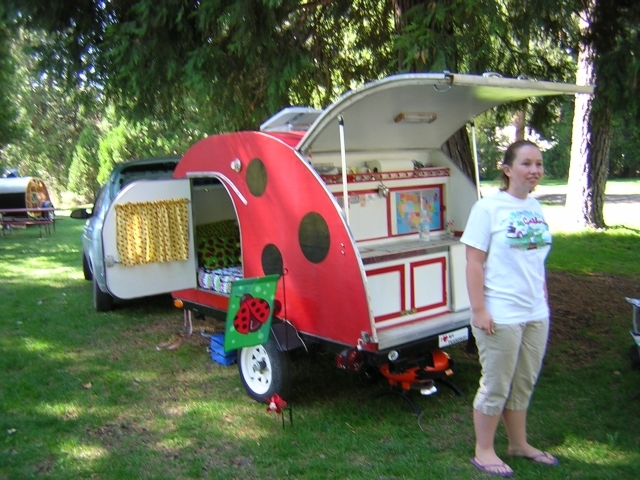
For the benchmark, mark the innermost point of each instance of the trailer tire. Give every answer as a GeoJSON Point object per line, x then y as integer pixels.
{"type": "Point", "coordinates": [265, 370]}
{"type": "Point", "coordinates": [102, 302]}
{"type": "Point", "coordinates": [86, 268]}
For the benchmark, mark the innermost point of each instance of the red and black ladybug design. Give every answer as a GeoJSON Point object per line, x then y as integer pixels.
{"type": "Point", "coordinates": [253, 312]}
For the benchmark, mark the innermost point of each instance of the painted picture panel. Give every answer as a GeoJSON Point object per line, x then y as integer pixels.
{"type": "Point", "coordinates": [409, 206]}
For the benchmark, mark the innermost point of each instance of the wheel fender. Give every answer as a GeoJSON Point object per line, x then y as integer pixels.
{"type": "Point", "coordinates": [286, 336]}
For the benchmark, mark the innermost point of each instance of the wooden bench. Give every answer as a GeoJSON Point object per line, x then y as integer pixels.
{"type": "Point", "coordinates": [19, 217]}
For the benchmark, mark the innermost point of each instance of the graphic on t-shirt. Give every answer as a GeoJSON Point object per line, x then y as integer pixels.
{"type": "Point", "coordinates": [527, 230]}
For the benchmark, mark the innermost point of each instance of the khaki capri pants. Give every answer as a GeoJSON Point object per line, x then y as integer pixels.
{"type": "Point", "coordinates": [511, 360]}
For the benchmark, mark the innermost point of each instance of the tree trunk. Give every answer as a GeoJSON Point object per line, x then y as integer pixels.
{"type": "Point", "coordinates": [600, 125]}
{"type": "Point", "coordinates": [578, 183]}
{"type": "Point", "coordinates": [458, 148]}
{"type": "Point", "coordinates": [590, 145]}
{"type": "Point", "coordinates": [520, 123]}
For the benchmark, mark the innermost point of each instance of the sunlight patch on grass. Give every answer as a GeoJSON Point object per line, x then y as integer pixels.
{"type": "Point", "coordinates": [241, 422]}
{"type": "Point", "coordinates": [55, 354]}
{"type": "Point", "coordinates": [174, 410]}
{"type": "Point", "coordinates": [39, 263]}
{"type": "Point", "coordinates": [83, 453]}
{"type": "Point", "coordinates": [174, 444]}
{"type": "Point", "coordinates": [36, 345]}
{"type": "Point", "coordinates": [596, 453]}
{"type": "Point", "coordinates": [61, 410]}
{"type": "Point", "coordinates": [68, 272]}
{"type": "Point", "coordinates": [48, 276]}
{"type": "Point", "coordinates": [254, 431]}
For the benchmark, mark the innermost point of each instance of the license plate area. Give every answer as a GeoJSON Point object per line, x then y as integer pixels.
{"type": "Point", "coordinates": [451, 338]}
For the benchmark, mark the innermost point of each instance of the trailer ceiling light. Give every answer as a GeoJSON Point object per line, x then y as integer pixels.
{"type": "Point", "coordinates": [393, 355]}
{"type": "Point", "coordinates": [415, 117]}
{"type": "Point", "coordinates": [236, 165]}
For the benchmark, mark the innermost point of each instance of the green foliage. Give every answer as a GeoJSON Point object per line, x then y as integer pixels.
{"type": "Point", "coordinates": [53, 118]}
{"type": "Point", "coordinates": [624, 157]}
{"type": "Point", "coordinates": [9, 128]}
{"type": "Point", "coordinates": [222, 65]}
{"type": "Point", "coordinates": [500, 36]}
{"type": "Point", "coordinates": [54, 124]}
{"type": "Point", "coordinates": [84, 164]}
{"type": "Point", "coordinates": [124, 140]}
{"type": "Point", "coordinates": [558, 157]}
{"type": "Point", "coordinates": [490, 144]}
{"type": "Point", "coordinates": [613, 33]}
{"type": "Point", "coordinates": [113, 149]}
{"type": "Point", "coordinates": [555, 140]}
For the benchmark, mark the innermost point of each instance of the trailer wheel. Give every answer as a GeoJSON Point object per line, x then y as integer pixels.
{"type": "Point", "coordinates": [102, 302]}
{"type": "Point", "coordinates": [86, 269]}
{"type": "Point", "coordinates": [265, 370]}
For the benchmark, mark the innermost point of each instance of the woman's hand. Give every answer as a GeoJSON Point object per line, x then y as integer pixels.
{"type": "Point", "coordinates": [482, 319]}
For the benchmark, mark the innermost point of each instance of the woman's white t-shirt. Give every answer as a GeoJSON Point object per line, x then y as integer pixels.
{"type": "Point", "coordinates": [517, 240]}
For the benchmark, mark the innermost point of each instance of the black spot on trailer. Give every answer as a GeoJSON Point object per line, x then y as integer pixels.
{"type": "Point", "coordinates": [256, 177]}
{"type": "Point", "coordinates": [272, 260]}
{"type": "Point", "coordinates": [313, 237]}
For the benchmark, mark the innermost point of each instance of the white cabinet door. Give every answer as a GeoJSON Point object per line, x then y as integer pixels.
{"type": "Point", "coordinates": [428, 284]}
{"type": "Point", "coordinates": [403, 292]}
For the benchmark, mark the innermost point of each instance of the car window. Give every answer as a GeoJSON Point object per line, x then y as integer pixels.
{"type": "Point", "coordinates": [97, 205]}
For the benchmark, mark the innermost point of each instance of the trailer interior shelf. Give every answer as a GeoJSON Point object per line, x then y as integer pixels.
{"type": "Point", "coordinates": [380, 176]}
{"type": "Point", "coordinates": [404, 249]}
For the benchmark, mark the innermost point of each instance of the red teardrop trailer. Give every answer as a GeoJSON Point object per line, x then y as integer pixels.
{"type": "Point", "coordinates": [356, 207]}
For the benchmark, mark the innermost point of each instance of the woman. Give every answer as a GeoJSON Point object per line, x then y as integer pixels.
{"type": "Point", "coordinates": [507, 241]}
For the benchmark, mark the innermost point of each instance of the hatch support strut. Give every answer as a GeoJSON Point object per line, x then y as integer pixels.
{"type": "Point", "coordinates": [343, 155]}
{"type": "Point", "coordinates": [475, 158]}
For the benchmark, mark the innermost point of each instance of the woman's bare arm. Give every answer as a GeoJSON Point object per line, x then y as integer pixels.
{"type": "Point", "coordinates": [480, 318]}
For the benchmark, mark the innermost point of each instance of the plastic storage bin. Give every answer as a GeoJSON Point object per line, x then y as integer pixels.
{"type": "Point", "coordinates": [218, 354]}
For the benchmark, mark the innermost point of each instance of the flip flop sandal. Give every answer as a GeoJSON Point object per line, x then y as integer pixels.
{"type": "Point", "coordinates": [493, 468]}
{"type": "Point", "coordinates": [539, 458]}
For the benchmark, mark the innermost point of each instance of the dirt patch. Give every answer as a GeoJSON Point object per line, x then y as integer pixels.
{"type": "Point", "coordinates": [582, 303]}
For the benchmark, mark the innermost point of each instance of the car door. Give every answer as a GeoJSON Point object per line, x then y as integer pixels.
{"type": "Point", "coordinates": [146, 279]}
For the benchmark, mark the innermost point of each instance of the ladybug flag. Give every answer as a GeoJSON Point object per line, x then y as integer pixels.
{"type": "Point", "coordinates": [250, 312]}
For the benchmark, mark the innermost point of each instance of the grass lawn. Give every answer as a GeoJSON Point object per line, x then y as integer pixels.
{"type": "Point", "coordinates": [87, 395]}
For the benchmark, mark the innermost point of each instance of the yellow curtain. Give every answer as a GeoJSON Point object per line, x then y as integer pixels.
{"type": "Point", "coordinates": [152, 232]}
